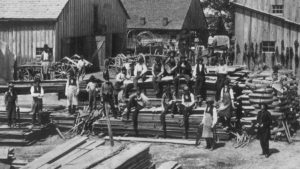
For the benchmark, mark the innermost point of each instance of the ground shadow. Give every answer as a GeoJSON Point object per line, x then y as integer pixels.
{"type": "Point", "coordinates": [273, 151]}
{"type": "Point", "coordinates": [219, 145]}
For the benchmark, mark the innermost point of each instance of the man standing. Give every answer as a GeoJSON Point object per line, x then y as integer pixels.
{"type": "Point", "coordinates": [92, 89]}
{"type": "Point", "coordinates": [168, 104]}
{"type": "Point", "coordinates": [72, 91]}
{"type": "Point", "coordinates": [137, 101]}
{"type": "Point", "coordinates": [222, 71]}
{"type": "Point", "coordinates": [157, 72]}
{"type": "Point", "coordinates": [46, 54]}
{"type": "Point", "coordinates": [11, 102]}
{"type": "Point", "coordinates": [188, 102]}
{"type": "Point", "coordinates": [37, 92]}
{"type": "Point", "coordinates": [264, 120]}
{"type": "Point", "coordinates": [199, 75]}
{"type": "Point", "coordinates": [107, 90]}
{"type": "Point", "coordinates": [185, 71]}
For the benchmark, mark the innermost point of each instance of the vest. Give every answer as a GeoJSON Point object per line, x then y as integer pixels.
{"type": "Point", "coordinates": [172, 62]}
{"type": "Point", "coordinates": [157, 69]}
{"type": "Point", "coordinates": [73, 81]}
{"type": "Point", "coordinates": [198, 72]}
{"type": "Point", "coordinates": [186, 69]}
{"type": "Point", "coordinates": [209, 110]}
{"type": "Point", "coordinates": [11, 98]}
{"type": "Point", "coordinates": [187, 97]}
{"type": "Point", "coordinates": [37, 89]}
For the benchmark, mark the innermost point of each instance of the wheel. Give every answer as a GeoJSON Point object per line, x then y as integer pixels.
{"type": "Point", "coordinates": [62, 71]}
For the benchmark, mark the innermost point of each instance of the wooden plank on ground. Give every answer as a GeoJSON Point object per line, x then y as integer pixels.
{"type": "Point", "coordinates": [4, 153]}
{"type": "Point", "coordinates": [169, 165]}
{"type": "Point", "coordinates": [124, 156]}
{"type": "Point", "coordinates": [78, 152]}
{"type": "Point", "coordinates": [57, 152]}
{"type": "Point", "coordinates": [94, 157]}
{"type": "Point", "coordinates": [149, 140]}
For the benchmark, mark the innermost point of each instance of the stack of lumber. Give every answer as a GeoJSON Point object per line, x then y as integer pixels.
{"type": "Point", "coordinates": [22, 136]}
{"type": "Point", "coordinates": [81, 153]}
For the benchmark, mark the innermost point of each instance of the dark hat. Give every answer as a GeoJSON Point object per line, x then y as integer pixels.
{"type": "Point", "coordinates": [10, 84]}
{"type": "Point", "coordinates": [227, 81]}
{"type": "Point", "coordinates": [106, 75]}
{"type": "Point", "coordinates": [46, 46]}
{"type": "Point", "coordinates": [200, 59]}
{"type": "Point", "coordinates": [172, 52]}
{"type": "Point", "coordinates": [92, 78]}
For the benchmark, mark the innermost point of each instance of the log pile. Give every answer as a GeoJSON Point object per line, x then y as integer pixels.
{"type": "Point", "coordinates": [81, 153]}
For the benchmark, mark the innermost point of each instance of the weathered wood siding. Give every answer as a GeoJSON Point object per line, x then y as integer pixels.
{"type": "Point", "coordinates": [77, 20]}
{"type": "Point", "coordinates": [24, 37]}
{"type": "Point", "coordinates": [252, 26]}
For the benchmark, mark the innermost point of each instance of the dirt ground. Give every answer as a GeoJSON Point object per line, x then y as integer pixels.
{"type": "Point", "coordinates": [284, 155]}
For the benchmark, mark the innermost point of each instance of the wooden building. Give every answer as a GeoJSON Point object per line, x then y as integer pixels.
{"type": "Point", "coordinates": [164, 18]}
{"type": "Point", "coordinates": [67, 26]}
{"type": "Point", "coordinates": [268, 22]}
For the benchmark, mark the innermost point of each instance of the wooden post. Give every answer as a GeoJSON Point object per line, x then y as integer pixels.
{"type": "Point", "coordinates": [107, 110]}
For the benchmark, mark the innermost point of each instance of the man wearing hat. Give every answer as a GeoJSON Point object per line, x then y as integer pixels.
{"type": "Point", "coordinates": [199, 76]}
{"type": "Point", "coordinates": [184, 71]}
{"type": "Point", "coordinates": [209, 121]}
{"type": "Point", "coordinates": [187, 105]}
{"type": "Point", "coordinates": [11, 102]}
{"type": "Point", "coordinates": [107, 90]}
{"type": "Point", "coordinates": [140, 71]}
{"type": "Point", "coordinates": [37, 92]}
{"type": "Point", "coordinates": [72, 91]}
{"type": "Point", "coordinates": [170, 64]}
{"type": "Point", "coordinates": [92, 88]}
{"type": "Point", "coordinates": [45, 57]}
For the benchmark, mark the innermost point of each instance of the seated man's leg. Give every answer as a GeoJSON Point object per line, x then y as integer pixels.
{"type": "Point", "coordinates": [176, 85]}
{"type": "Point", "coordinates": [135, 120]}
{"type": "Point", "coordinates": [186, 121]}
{"type": "Point", "coordinates": [135, 81]}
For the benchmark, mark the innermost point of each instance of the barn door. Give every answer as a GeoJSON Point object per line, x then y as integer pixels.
{"type": "Point", "coordinates": [100, 51]}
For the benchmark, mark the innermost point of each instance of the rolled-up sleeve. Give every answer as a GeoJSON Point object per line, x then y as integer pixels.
{"type": "Point", "coordinates": [215, 116]}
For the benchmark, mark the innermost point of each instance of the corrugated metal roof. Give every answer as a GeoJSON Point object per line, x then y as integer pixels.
{"type": "Point", "coordinates": [31, 9]}
{"type": "Point", "coordinates": [154, 11]}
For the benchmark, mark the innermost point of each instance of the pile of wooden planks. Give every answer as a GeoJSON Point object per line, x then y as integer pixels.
{"type": "Point", "coordinates": [81, 153]}
{"type": "Point", "coordinates": [170, 165]}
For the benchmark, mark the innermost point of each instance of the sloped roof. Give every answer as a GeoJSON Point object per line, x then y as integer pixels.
{"type": "Point", "coordinates": [31, 9]}
{"type": "Point", "coordinates": [154, 11]}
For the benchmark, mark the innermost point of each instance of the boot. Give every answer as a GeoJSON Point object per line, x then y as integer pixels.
{"type": "Point", "coordinates": [70, 109]}
{"type": "Point", "coordinates": [74, 109]}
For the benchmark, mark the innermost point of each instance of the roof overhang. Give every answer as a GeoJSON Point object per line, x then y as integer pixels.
{"type": "Point", "coordinates": [265, 13]}
{"type": "Point", "coordinates": [28, 19]}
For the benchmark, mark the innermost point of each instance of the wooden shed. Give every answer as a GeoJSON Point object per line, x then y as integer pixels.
{"type": "Point", "coordinates": [67, 26]}
{"type": "Point", "coordinates": [268, 22]}
{"type": "Point", "coordinates": [164, 18]}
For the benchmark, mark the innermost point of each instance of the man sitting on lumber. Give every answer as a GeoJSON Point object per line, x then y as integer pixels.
{"type": "Point", "coordinates": [186, 106]}
{"type": "Point", "coordinates": [140, 71]}
{"type": "Point", "coordinates": [168, 104]}
{"type": "Point", "coordinates": [138, 101]}
{"type": "Point", "coordinates": [170, 65]}
{"type": "Point", "coordinates": [120, 78]}
{"type": "Point", "coordinates": [184, 70]}
{"type": "Point", "coordinates": [157, 72]}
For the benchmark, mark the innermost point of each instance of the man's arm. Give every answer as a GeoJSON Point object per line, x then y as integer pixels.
{"type": "Point", "coordinates": [221, 94]}
{"type": "Point", "coordinates": [66, 89]}
{"type": "Point", "coordinates": [145, 98]}
{"type": "Point", "coordinates": [88, 87]}
{"type": "Point", "coordinates": [42, 92]}
{"type": "Point", "coordinates": [215, 117]}
{"type": "Point", "coordinates": [6, 98]}
{"type": "Point", "coordinates": [195, 72]}
{"type": "Point", "coordinates": [145, 69]}
{"type": "Point", "coordinates": [153, 74]}
{"type": "Point", "coordinates": [192, 98]}
{"type": "Point", "coordinates": [135, 70]}
{"type": "Point", "coordinates": [32, 92]}
{"type": "Point", "coordinates": [77, 84]}
{"type": "Point", "coordinates": [162, 70]}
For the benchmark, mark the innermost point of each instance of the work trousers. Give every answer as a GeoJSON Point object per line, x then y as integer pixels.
{"type": "Point", "coordinates": [209, 142]}
{"type": "Point", "coordinates": [172, 108]}
{"type": "Point", "coordinates": [92, 99]}
{"type": "Point", "coordinates": [200, 87]}
{"type": "Point", "coordinates": [133, 103]}
{"type": "Point", "coordinates": [11, 113]}
{"type": "Point", "coordinates": [219, 85]}
{"type": "Point", "coordinates": [37, 108]}
{"type": "Point", "coordinates": [108, 100]}
{"type": "Point", "coordinates": [136, 79]}
{"type": "Point", "coordinates": [157, 85]}
{"type": "Point", "coordinates": [187, 111]}
{"type": "Point", "coordinates": [264, 137]}
{"type": "Point", "coordinates": [187, 79]}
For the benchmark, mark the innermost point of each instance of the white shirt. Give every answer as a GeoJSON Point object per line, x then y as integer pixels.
{"type": "Point", "coordinates": [80, 64]}
{"type": "Point", "coordinates": [215, 117]}
{"type": "Point", "coordinates": [211, 40]}
{"type": "Point", "coordinates": [222, 69]}
{"type": "Point", "coordinates": [39, 95]}
{"type": "Point", "coordinates": [230, 92]}
{"type": "Point", "coordinates": [45, 56]}
{"type": "Point", "coordinates": [91, 86]}
{"type": "Point", "coordinates": [140, 68]}
{"type": "Point", "coordinates": [120, 77]}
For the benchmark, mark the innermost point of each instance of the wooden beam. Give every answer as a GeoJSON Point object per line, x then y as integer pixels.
{"type": "Point", "coordinates": [123, 157]}
{"type": "Point", "coordinates": [57, 152]}
{"type": "Point", "coordinates": [169, 165]}
{"type": "Point", "coordinates": [149, 140]}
